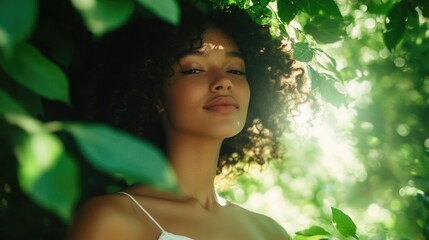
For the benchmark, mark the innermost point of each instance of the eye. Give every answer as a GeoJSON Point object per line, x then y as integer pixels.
{"type": "Point", "coordinates": [192, 71]}
{"type": "Point", "coordinates": [237, 72]}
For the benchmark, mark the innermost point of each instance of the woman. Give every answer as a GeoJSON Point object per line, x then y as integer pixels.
{"type": "Point", "coordinates": [208, 94]}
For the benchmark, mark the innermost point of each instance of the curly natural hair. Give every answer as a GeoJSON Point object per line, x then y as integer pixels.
{"type": "Point", "coordinates": [134, 62]}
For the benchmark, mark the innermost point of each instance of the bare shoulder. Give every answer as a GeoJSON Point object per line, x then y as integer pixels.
{"type": "Point", "coordinates": [266, 225]}
{"type": "Point", "coordinates": [104, 217]}
{"type": "Point", "coordinates": [271, 227]}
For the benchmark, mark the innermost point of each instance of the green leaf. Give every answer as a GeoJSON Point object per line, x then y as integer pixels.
{"type": "Point", "coordinates": [47, 174]}
{"type": "Point", "coordinates": [167, 10]}
{"type": "Point", "coordinates": [325, 84]}
{"type": "Point", "coordinates": [34, 71]}
{"type": "Point", "coordinates": [102, 16]}
{"type": "Point", "coordinates": [286, 10]}
{"type": "Point", "coordinates": [395, 25]}
{"type": "Point", "coordinates": [27, 99]}
{"type": "Point", "coordinates": [325, 30]}
{"type": "Point", "coordinates": [329, 7]}
{"type": "Point", "coordinates": [317, 237]}
{"type": "Point", "coordinates": [302, 52]}
{"type": "Point", "coordinates": [328, 63]}
{"type": "Point", "coordinates": [27, 123]}
{"type": "Point", "coordinates": [313, 231]}
{"type": "Point", "coordinates": [330, 92]}
{"type": "Point", "coordinates": [121, 154]}
{"type": "Point", "coordinates": [332, 62]}
{"type": "Point", "coordinates": [315, 77]}
{"type": "Point", "coordinates": [9, 105]}
{"type": "Point", "coordinates": [260, 14]}
{"type": "Point", "coordinates": [264, 2]}
{"type": "Point", "coordinates": [343, 223]}
{"type": "Point", "coordinates": [17, 20]}
{"type": "Point", "coordinates": [326, 8]}
{"type": "Point", "coordinates": [326, 24]}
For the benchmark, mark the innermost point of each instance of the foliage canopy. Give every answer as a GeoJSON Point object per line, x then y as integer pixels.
{"type": "Point", "coordinates": [49, 165]}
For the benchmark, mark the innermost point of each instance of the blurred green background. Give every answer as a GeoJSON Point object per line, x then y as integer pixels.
{"type": "Point", "coordinates": [366, 151]}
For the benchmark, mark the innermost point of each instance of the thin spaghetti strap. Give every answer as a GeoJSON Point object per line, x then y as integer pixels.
{"type": "Point", "coordinates": [144, 210]}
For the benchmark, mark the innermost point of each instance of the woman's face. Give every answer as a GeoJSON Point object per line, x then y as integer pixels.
{"type": "Point", "coordinates": [208, 95]}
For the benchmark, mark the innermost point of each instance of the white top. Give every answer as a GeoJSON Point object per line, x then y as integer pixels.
{"type": "Point", "coordinates": [164, 234]}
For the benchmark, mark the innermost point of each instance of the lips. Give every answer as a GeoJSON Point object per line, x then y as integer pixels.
{"type": "Point", "coordinates": [222, 104]}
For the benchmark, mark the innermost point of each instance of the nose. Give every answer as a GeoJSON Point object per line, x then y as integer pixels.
{"type": "Point", "coordinates": [222, 83]}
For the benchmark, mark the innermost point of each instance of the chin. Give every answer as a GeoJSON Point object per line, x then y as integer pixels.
{"type": "Point", "coordinates": [228, 133]}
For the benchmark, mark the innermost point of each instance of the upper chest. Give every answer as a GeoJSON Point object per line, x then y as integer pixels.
{"type": "Point", "coordinates": [229, 223]}
{"type": "Point", "coordinates": [222, 228]}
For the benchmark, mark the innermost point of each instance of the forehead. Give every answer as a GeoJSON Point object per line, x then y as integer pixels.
{"type": "Point", "coordinates": [215, 39]}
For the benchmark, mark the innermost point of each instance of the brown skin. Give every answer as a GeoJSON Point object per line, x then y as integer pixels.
{"type": "Point", "coordinates": [195, 131]}
{"type": "Point", "coordinates": [117, 217]}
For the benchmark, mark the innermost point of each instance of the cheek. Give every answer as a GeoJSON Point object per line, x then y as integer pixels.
{"type": "Point", "coordinates": [246, 94]}
{"type": "Point", "coordinates": [180, 102]}
{"type": "Point", "coordinates": [174, 103]}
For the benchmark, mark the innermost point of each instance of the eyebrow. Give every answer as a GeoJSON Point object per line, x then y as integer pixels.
{"type": "Point", "coordinates": [235, 54]}
{"type": "Point", "coordinates": [192, 52]}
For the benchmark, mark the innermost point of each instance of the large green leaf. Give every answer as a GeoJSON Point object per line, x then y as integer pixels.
{"type": "Point", "coordinates": [326, 23]}
{"type": "Point", "coordinates": [9, 105]}
{"type": "Point", "coordinates": [167, 10]}
{"type": "Point", "coordinates": [17, 20]}
{"type": "Point", "coordinates": [47, 174]}
{"type": "Point", "coordinates": [302, 52]}
{"type": "Point", "coordinates": [395, 25]}
{"type": "Point", "coordinates": [325, 29]}
{"type": "Point", "coordinates": [286, 10]}
{"type": "Point", "coordinates": [34, 71]}
{"type": "Point", "coordinates": [102, 16]}
{"type": "Point", "coordinates": [123, 155]}
{"type": "Point", "coordinates": [343, 223]}
{"type": "Point", "coordinates": [326, 8]}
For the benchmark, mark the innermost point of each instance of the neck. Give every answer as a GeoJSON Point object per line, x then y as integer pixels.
{"type": "Point", "coordinates": [194, 161]}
